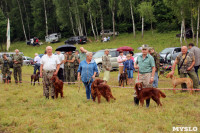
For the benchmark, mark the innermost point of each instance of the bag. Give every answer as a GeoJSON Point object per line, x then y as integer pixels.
{"type": "Point", "coordinates": [179, 67]}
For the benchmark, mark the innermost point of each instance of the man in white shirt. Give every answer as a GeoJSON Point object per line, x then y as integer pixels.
{"type": "Point", "coordinates": [50, 66]}
{"type": "Point", "coordinates": [37, 63]}
{"type": "Point", "coordinates": [61, 58]}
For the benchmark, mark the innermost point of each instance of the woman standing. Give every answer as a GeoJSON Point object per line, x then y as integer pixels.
{"type": "Point", "coordinates": [121, 59]}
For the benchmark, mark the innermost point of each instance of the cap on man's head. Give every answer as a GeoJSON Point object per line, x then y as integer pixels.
{"type": "Point", "coordinates": [145, 46]}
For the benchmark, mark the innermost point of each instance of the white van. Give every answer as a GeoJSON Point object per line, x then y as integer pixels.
{"type": "Point", "coordinates": [52, 38]}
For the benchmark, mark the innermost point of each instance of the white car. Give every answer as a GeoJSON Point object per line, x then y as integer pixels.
{"type": "Point", "coordinates": [52, 38]}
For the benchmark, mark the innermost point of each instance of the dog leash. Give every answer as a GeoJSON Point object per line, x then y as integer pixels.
{"type": "Point", "coordinates": [138, 74]}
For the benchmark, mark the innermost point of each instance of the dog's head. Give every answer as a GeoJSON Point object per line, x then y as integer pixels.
{"type": "Point", "coordinates": [97, 82]}
{"type": "Point", "coordinates": [53, 78]}
{"type": "Point", "coordinates": [169, 75]}
{"type": "Point", "coordinates": [138, 86]}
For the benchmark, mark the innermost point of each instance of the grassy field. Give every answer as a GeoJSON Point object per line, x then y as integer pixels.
{"type": "Point", "coordinates": [24, 109]}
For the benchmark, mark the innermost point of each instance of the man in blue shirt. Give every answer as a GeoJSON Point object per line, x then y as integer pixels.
{"type": "Point", "coordinates": [88, 70]}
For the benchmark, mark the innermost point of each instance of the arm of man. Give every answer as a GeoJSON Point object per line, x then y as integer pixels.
{"type": "Point", "coordinates": [57, 69]}
{"type": "Point", "coordinates": [41, 68]}
{"type": "Point", "coordinates": [174, 66]}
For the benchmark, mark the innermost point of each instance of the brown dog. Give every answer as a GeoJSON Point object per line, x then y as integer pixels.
{"type": "Point", "coordinates": [178, 81]}
{"type": "Point", "coordinates": [122, 79]}
{"type": "Point", "coordinates": [35, 77]}
{"type": "Point", "coordinates": [147, 93]}
{"type": "Point", "coordinates": [98, 88]}
{"type": "Point", "coordinates": [58, 86]}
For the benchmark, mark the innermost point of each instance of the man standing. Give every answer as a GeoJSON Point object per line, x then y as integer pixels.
{"type": "Point", "coordinates": [5, 68]}
{"type": "Point", "coordinates": [196, 51]}
{"type": "Point", "coordinates": [50, 66]}
{"type": "Point", "coordinates": [76, 63]}
{"type": "Point", "coordinates": [37, 63]}
{"type": "Point", "coordinates": [186, 61]}
{"type": "Point", "coordinates": [146, 65]}
{"type": "Point", "coordinates": [61, 58]}
{"type": "Point", "coordinates": [82, 55]}
{"type": "Point", "coordinates": [88, 70]}
{"type": "Point", "coordinates": [156, 57]}
{"type": "Point", "coordinates": [17, 66]}
{"type": "Point", "coordinates": [70, 67]}
{"type": "Point", "coordinates": [106, 64]}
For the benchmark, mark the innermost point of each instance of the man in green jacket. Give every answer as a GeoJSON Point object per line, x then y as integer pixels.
{"type": "Point", "coordinates": [17, 66]}
{"type": "Point", "coordinates": [5, 68]}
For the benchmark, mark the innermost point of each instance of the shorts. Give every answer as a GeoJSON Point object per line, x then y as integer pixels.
{"type": "Point", "coordinates": [130, 73]}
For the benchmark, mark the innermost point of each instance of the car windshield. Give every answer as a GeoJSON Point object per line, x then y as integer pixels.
{"type": "Point", "coordinates": [98, 54]}
{"type": "Point", "coordinates": [167, 50]}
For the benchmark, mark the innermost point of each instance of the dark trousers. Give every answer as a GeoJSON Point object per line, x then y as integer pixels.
{"type": "Point", "coordinates": [60, 74]}
{"type": "Point", "coordinates": [196, 70]}
{"type": "Point", "coordinates": [36, 67]}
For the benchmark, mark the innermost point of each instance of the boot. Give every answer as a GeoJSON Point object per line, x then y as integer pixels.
{"type": "Point", "coordinates": [52, 97]}
{"type": "Point", "coordinates": [136, 101]}
{"type": "Point", "coordinates": [147, 103]}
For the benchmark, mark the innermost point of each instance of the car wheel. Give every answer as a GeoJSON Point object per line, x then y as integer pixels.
{"type": "Point", "coordinates": [100, 68]}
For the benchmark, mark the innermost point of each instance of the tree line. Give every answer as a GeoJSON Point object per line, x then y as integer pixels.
{"type": "Point", "coordinates": [38, 18]}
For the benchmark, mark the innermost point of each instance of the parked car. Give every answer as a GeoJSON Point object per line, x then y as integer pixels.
{"type": "Point", "coordinates": [109, 33]}
{"type": "Point", "coordinates": [53, 38]}
{"type": "Point", "coordinates": [170, 54]}
{"type": "Point", "coordinates": [27, 61]}
{"type": "Point", "coordinates": [76, 40]}
{"type": "Point", "coordinates": [113, 54]}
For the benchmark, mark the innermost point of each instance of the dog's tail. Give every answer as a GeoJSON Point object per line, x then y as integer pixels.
{"type": "Point", "coordinates": [162, 94]}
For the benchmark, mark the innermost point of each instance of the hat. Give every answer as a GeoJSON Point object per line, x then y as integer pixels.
{"type": "Point", "coordinates": [145, 46]}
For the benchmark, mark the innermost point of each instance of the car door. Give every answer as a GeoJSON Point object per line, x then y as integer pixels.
{"type": "Point", "coordinates": [113, 59]}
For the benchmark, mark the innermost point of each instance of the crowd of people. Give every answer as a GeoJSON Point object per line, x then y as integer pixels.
{"type": "Point", "coordinates": [80, 66]}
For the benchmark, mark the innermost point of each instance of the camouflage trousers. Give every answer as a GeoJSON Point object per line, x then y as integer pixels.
{"type": "Point", "coordinates": [47, 83]}
{"type": "Point", "coordinates": [69, 73]}
{"type": "Point", "coordinates": [5, 71]}
{"type": "Point", "coordinates": [17, 73]}
{"type": "Point", "coordinates": [75, 72]}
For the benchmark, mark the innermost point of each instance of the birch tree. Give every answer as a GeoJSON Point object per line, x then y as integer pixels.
{"type": "Point", "coordinates": [112, 6]}
{"type": "Point", "coordinates": [46, 21]}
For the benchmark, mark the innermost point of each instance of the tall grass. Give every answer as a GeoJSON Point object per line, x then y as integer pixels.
{"type": "Point", "coordinates": [24, 109]}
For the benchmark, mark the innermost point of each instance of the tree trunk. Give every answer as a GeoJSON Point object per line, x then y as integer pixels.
{"type": "Point", "coordinates": [72, 23]}
{"type": "Point", "coordinates": [27, 19]}
{"type": "Point", "coordinates": [182, 26]}
{"type": "Point", "coordinates": [142, 27]}
{"type": "Point", "coordinates": [45, 12]}
{"type": "Point", "coordinates": [113, 18]}
{"type": "Point", "coordinates": [92, 24]}
{"type": "Point", "coordinates": [197, 39]}
{"type": "Point", "coordinates": [184, 31]}
{"type": "Point", "coordinates": [133, 22]}
{"type": "Point", "coordinates": [95, 23]}
{"type": "Point", "coordinates": [101, 13]}
{"type": "Point", "coordinates": [192, 26]}
{"type": "Point", "coordinates": [78, 20]}
{"type": "Point", "coordinates": [22, 20]}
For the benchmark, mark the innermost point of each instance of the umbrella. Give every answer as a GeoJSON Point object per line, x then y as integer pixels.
{"type": "Point", "coordinates": [66, 48]}
{"type": "Point", "coordinates": [125, 48]}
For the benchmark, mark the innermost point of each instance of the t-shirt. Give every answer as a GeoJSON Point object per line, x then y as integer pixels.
{"type": "Point", "coordinates": [82, 56]}
{"type": "Point", "coordinates": [49, 62]}
{"type": "Point", "coordinates": [120, 58]}
{"type": "Point", "coordinates": [61, 57]}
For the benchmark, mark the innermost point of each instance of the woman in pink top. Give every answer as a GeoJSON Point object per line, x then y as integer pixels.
{"type": "Point", "coordinates": [121, 59]}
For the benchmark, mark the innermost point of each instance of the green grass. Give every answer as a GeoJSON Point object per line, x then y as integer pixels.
{"type": "Point", "coordinates": [24, 109]}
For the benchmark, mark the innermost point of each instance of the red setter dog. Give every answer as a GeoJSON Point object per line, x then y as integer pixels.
{"type": "Point", "coordinates": [98, 88]}
{"type": "Point", "coordinates": [35, 77]}
{"type": "Point", "coordinates": [58, 86]}
{"type": "Point", "coordinates": [147, 93]}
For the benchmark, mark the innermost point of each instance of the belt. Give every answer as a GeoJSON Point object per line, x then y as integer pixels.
{"type": "Point", "coordinates": [49, 71]}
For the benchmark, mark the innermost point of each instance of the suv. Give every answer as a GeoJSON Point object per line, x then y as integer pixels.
{"type": "Point", "coordinates": [170, 54]}
{"type": "Point", "coordinates": [108, 33]}
{"type": "Point", "coordinates": [113, 54]}
{"type": "Point", "coordinates": [76, 40]}
{"type": "Point", "coordinates": [53, 38]}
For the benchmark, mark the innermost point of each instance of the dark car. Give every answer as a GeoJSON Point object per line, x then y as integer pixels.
{"type": "Point", "coordinates": [76, 40]}
{"type": "Point", "coordinates": [188, 34]}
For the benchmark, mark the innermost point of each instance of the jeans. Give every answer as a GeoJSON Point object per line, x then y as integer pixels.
{"type": "Point", "coordinates": [130, 73]}
{"type": "Point", "coordinates": [36, 67]}
{"type": "Point", "coordinates": [155, 82]}
{"type": "Point", "coordinates": [88, 89]}
{"type": "Point", "coordinates": [196, 70]}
